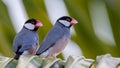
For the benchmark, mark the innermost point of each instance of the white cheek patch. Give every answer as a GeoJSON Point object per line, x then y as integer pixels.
{"type": "Point", "coordinates": [66, 23]}
{"type": "Point", "coordinates": [29, 26]}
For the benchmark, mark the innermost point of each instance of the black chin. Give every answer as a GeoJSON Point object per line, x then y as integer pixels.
{"type": "Point", "coordinates": [69, 26]}
{"type": "Point", "coordinates": [35, 29]}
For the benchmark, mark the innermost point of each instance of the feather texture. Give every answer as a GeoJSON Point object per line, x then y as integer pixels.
{"type": "Point", "coordinates": [56, 33]}
{"type": "Point", "coordinates": [26, 40]}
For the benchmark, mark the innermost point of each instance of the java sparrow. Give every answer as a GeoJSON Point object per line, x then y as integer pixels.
{"type": "Point", "coordinates": [57, 38]}
{"type": "Point", "coordinates": [26, 41]}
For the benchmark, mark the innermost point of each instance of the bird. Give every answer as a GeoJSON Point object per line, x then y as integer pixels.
{"type": "Point", "coordinates": [57, 38]}
{"type": "Point", "coordinates": [26, 41]}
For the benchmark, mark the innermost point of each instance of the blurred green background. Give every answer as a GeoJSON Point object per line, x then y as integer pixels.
{"type": "Point", "coordinates": [85, 37]}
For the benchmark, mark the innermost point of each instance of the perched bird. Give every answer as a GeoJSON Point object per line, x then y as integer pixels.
{"type": "Point", "coordinates": [57, 38]}
{"type": "Point", "coordinates": [26, 41]}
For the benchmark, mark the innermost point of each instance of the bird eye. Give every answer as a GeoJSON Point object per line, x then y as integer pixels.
{"type": "Point", "coordinates": [32, 23]}
{"type": "Point", "coordinates": [68, 19]}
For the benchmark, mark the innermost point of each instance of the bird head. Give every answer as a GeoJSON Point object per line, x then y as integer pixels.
{"type": "Point", "coordinates": [32, 24]}
{"type": "Point", "coordinates": [67, 21]}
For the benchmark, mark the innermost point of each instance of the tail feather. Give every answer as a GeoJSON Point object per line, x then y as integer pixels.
{"type": "Point", "coordinates": [17, 56]}
{"type": "Point", "coordinates": [18, 53]}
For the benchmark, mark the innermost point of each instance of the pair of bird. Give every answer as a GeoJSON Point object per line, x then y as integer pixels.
{"type": "Point", "coordinates": [26, 41]}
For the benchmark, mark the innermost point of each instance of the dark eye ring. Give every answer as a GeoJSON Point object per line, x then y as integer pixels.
{"type": "Point", "coordinates": [32, 23]}
{"type": "Point", "coordinates": [68, 19]}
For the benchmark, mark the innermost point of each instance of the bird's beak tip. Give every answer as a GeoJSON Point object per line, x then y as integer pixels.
{"type": "Point", "coordinates": [39, 24]}
{"type": "Point", "coordinates": [74, 21]}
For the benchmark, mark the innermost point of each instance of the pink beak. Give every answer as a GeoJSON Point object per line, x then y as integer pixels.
{"type": "Point", "coordinates": [73, 21]}
{"type": "Point", "coordinates": [38, 24]}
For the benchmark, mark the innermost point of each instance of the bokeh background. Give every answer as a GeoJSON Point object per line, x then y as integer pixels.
{"type": "Point", "coordinates": [97, 33]}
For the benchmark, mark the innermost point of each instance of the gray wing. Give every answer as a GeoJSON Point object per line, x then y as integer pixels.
{"type": "Point", "coordinates": [25, 41]}
{"type": "Point", "coordinates": [29, 41]}
{"type": "Point", "coordinates": [16, 45]}
{"type": "Point", "coordinates": [53, 35]}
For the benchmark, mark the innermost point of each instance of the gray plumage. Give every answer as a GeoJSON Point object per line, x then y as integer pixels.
{"type": "Point", "coordinates": [25, 39]}
{"type": "Point", "coordinates": [56, 33]}
{"type": "Point", "coordinates": [57, 38]}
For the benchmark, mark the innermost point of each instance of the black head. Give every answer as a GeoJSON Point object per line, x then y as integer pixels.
{"type": "Point", "coordinates": [32, 24]}
{"type": "Point", "coordinates": [32, 21]}
{"type": "Point", "coordinates": [66, 21]}
{"type": "Point", "coordinates": [67, 18]}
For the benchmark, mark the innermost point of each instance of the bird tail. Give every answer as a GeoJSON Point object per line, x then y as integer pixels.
{"type": "Point", "coordinates": [17, 56]}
